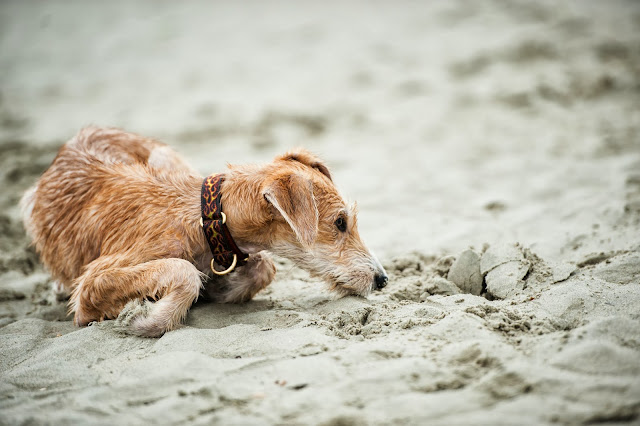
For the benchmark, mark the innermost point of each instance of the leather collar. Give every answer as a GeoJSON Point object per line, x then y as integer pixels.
{"type": "Point", "coordinates": [223, 248]}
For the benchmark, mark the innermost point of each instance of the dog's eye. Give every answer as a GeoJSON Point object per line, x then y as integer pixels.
{"type": "Point", "coordinates": [341, 224]}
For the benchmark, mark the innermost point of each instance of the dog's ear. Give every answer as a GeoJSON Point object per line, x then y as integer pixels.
{"type": "Point", "coordinates": [305, 157]}
{"type": "Point", "coordinates": [292, 196]}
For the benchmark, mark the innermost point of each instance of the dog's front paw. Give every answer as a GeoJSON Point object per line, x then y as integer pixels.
{"type": "Point", "coordinates": [261, 270]}
{"type": "Point", "coordinates": [132, 315]}
{"type": "Point", "coordinates": [83, 317]}
{"type": "Point", "coordinates": [245, 282]}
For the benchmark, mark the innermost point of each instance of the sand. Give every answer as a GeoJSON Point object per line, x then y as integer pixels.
{"type": "Point", "coordinates": [493, 148]}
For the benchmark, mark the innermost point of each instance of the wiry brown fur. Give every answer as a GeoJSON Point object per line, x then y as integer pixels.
{"type": "Point", "coordinates": [115, 219]}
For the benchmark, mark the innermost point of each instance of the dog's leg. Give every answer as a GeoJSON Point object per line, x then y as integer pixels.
{"type": "Point", "coordinates": [245, 282]}
{"type": "Point", "coordinates": [106, 286]}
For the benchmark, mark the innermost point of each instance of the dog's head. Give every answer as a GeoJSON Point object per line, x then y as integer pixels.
{"type": "Point", "coordinates": [312, 225]}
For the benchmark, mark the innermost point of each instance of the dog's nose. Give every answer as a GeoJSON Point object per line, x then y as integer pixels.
{"type": "Point", "coordinates": [381, 280]}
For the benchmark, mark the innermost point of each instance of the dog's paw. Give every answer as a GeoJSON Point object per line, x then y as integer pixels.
{"type": "Point", "coordinates": [243, 285]}
{"type": "Point", "coordinates": [144, 318]}
{"type": "Point", "coordinates": [261, 270]}
{"type": "Point", "coordinates": [131, 315]}
{"type": "Point", "coordinates": [83, 317]}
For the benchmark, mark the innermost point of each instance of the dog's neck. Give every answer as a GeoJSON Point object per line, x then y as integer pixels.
{"type": "Point", "coordinates": [249, 216]}
{"type": "Point", "coordinates": [240, 210]}
{"type": "Point", "coordinates": [246, 209]}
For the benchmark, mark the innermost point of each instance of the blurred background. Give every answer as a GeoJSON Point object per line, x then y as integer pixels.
{"type": "Point", "coordinates": [451, 123]}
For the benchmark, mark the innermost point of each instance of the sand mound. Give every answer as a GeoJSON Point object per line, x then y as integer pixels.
{"type": "Point", "coordinates": [501, 272]}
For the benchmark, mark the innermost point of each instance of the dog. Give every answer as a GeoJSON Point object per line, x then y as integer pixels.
{"type": "Point", "coordinates": [122, 222]}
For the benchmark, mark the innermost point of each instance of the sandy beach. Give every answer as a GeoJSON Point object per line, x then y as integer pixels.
{"type": "Point", "coordinates": [493, 149]}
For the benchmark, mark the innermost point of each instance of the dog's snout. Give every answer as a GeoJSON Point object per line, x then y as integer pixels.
{"type": "Point", "coordinates": [381, 280]}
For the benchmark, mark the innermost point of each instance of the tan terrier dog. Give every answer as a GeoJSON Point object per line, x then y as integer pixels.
{"type": "Point", "coordinates": [120, 220]}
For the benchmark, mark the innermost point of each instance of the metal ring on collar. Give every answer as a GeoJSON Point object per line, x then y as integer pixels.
{"type": "Point", "coordinates": [229, 269]}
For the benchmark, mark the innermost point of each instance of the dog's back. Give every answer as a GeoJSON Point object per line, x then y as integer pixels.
{"type": "Point", "coordinates": [101, 194]}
